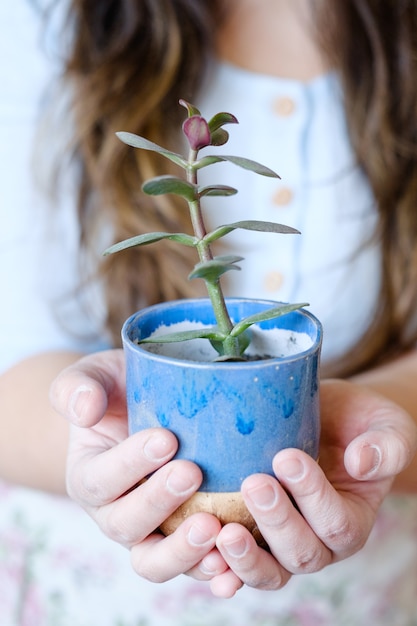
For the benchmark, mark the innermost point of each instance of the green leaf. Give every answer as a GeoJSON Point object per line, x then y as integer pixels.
{"type": "Point", "coordinates": [254, 225]}
{"type": "Point", "coordinates": [170, 184]}
{"type": "Point", "coordinates": [212, 270]}
{"type": "Point", "coordinates": [143, 240]}
{"type": "Point", "coordinates": [219, 137]}
{"type": "Point", "coordinates": [269, 314]}
{"type": "Point", "coordinates": [211, 333]}
{"type": "Point", "coordinates": [192, 110]}
{"type": "Point", "coordinates": [253, 166]}
{"type": "Point", "coordinates": [220, 119]}
{"type": "Point", "coordinates": [207, 160]}
{"type": "Point", "coordinates": [136, 141]}
{"type": "Point", "coordinates": [228, 258]}
{"type": "Point", "coordinates": [247, 164]}
{"type": "Point", "coordinates": [217, 190]}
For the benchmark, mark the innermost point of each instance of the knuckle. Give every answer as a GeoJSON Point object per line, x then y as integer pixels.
{"type": "Point", "coordinates": [116, 528]}
{"type": "Point", "coordinates": [343, 536]}
{"type": "Point", "coordinates": [272, 583]}
{"type": "Point", "coordinates": [115, 519]}
{"type": "Point", "coordinates": [159, 502]}
{"type": "Point", "coordinates": [309, 561]}
{"type": "Point", "coordinates": [278, 518]}
{"type": "Point", "coordinates": [147, 565]}
{"type": "Point", "coordinates": [85, 489]}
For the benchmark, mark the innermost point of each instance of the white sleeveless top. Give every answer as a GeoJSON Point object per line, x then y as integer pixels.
{"type": "Point", "coordinates": [56, 568]}
{"type": "Point", "coordinates": [299, 130]}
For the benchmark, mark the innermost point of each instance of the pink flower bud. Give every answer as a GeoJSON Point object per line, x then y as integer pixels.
{"type": "Point", "coordinates": [197, 131]}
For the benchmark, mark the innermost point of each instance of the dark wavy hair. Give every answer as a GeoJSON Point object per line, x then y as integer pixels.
{"type": "Point", "coordinates": [128, 64]}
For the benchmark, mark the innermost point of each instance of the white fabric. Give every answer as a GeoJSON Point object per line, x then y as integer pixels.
{"type": "Point", "coordinates": [56, 569]}
{"type": "Point", "coordinates": [328, 264]}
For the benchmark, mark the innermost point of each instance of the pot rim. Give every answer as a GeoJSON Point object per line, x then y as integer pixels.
{"type": "Point", "coordinates": [254, 364]}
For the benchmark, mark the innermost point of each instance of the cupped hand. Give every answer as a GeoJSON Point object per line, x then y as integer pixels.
{"type": "Point", "coordinates": [314, 514]}
{"type": "Point", "coordinates": [106, 471]}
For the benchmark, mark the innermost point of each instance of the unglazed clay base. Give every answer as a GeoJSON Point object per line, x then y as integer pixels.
{"type": "Point", "coordinates": [227, 507]}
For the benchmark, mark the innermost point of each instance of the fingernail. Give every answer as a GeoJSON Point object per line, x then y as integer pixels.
{"type": "Point", "coordinates": [369, 460]}
{"type": "Point", "coordinates": [179, 485]}
{"type": "Point", "coordinates": [209, 566]}
{"type": "Point", "coordinates": [291, 469]}
{"type": "Point", "coordinates": [237, 548]}
{"type": "Point", "coordinates": [197, 537]}
{"type": "Point", "coordinates": [157, 448]}
{"type": "Point", "coordinates": [264, 497]}
{"type": "Point", "coordinates": [78, 402]}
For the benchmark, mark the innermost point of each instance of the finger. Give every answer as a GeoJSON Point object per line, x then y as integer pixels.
{"type": "Point", "coordinates": [342, 521]}
{"type": "Point", "coordinates": [385, 449]}
{"type": "Point", "coordinates": [225, 585]}
{"type": "Point", "coordinates": [252, 565]}
{"type": "Point", "coordinates": [96, 477]}
{"type": "Point", "coordinates": [83, 391]}
{"type": "Point", "coordinates": [159, 558]}
{"type": "Point", "coordinates": [131, 518]}
{"type": "Point", "coordinates": [290, 539]}
{"type": "Point", "coordinates": [377, 437]}
{"type": "Point", "coordinates": [212, 565]}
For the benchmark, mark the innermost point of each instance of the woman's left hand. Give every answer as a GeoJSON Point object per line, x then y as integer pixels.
{"type": "Point", "coordinates": [366, 441]}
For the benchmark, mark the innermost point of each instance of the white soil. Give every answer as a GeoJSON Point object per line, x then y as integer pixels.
{"type": "Point", "coordinates": [276, 342]}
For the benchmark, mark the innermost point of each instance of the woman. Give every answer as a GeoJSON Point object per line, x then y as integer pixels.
{"type": "Point", "coordinates": [349, 162]}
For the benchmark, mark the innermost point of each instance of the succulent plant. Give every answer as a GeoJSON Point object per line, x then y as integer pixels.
{"type": "Point", "coordinates": [228, 338]}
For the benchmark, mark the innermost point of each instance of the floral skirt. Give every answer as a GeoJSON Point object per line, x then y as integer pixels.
{"type": "Point", "coordinates": [57, 569]}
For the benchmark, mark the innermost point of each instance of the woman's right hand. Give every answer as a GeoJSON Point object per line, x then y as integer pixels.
{"type": "Point", "coordinates": [106, 470]}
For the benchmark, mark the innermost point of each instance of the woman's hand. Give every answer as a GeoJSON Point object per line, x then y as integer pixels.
{"type": "Point", "coordinates": [366, 440]}
{"type": "Point", "coordinates": [105, 466]}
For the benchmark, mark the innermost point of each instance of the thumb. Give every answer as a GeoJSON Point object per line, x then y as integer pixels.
{"type": "Point", "coordinates": [386, 448]}
{"type": "Point", "coordinates": [85, 390]}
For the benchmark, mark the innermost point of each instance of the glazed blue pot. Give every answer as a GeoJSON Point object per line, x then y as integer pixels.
{"type": "Point", "coordinates": [230, 418]}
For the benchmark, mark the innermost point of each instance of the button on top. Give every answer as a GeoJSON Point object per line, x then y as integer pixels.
{"type": "Point", "coordinates": [283, 196]}
{"type": "Point", "coordinates": [284, 106]}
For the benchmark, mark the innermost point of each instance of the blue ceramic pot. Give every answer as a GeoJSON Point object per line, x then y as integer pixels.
{"type": "Point", "coordinates": [230, 418]}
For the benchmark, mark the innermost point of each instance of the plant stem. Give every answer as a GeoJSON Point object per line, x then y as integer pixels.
{"type": "Point", "coordinates": [214, 290]}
